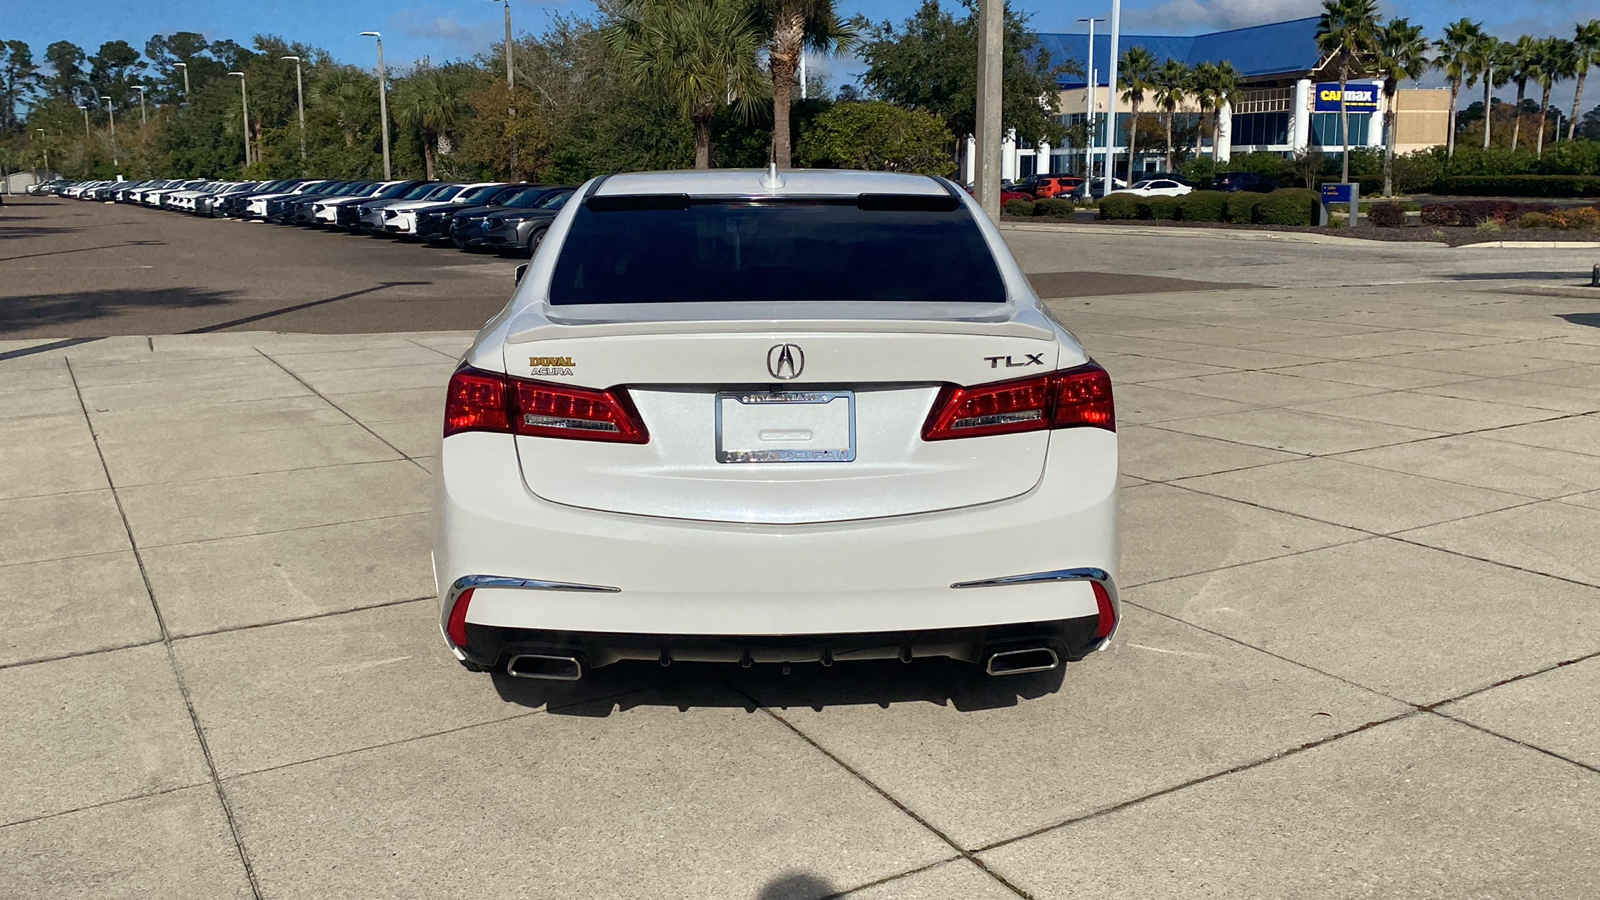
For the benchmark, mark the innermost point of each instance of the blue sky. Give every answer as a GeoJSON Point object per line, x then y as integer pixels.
{"type": "Point", "coordinates": [444, 29]}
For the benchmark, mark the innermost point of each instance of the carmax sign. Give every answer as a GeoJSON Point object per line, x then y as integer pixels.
{"type": "Point", "coordinates": [1357, 97]}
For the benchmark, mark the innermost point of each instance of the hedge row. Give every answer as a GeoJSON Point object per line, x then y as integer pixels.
{"type": "Point", "coordinates": [1049, 207]}
{"type": "Point", "coordinates": [1289, 206]}
{"type": "Point", "coordinates": [1520, 185]}
{"type": "Point", "coordinates": [1472, 213]}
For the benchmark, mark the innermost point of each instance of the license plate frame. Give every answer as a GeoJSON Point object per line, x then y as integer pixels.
{"type": "Point", "coordinates": [735, 455]}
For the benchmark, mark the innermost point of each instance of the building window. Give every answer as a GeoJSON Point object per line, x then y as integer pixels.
{"type": "Point", "coordinates": [1325, 130]}
{"type": "Point", "coordinates": [1265, 101]}
{"type": "Point", "coordinates": [1258, 128]}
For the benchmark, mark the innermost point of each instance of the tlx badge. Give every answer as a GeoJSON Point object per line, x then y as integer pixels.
{"type": "Point", "coordinates": [1028, 359]}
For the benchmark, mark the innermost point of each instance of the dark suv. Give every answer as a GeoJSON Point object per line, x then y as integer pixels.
{"type": "Point", "coordinates": [1233, 182]}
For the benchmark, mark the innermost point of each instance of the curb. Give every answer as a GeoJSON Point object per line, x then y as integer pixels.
{"type": "Point", "coordinates": [1290, 237]}
{"type": "Point", "coordinates": [1534, 245]}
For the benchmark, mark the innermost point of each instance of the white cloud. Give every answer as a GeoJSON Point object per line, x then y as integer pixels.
{"type": "Point", "coordinates": [1195, 16]}
{"type": "Point", "coordinates": [466, 38]}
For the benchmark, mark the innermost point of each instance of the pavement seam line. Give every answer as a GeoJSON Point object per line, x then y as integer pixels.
{"type": "Point", "coordinates": [403, 454]}
{"type": "Point", "coordinates": [890, 879]}
{"type": "Point", "coordinates": [894, 801]}
{"type": "Point", "coordinates": [172, 658]}
{"type": "Point", "coordinates": [235, 537]}
{"type": "Point", "coordinates": [104, 803]}
{"type": "Point", "coordinates": [232, 629]}
{"type": "Point", "coordinates": [79, 654]}
{"type": "Point", "coordinates": [1194, 782]}
{"type": "Point", "coordinates": [546, 710]}
{"type": "Point", "coordinates": [1519, 742]}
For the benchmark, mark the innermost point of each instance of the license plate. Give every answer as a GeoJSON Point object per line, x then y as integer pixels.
{"type": "Point", "coordinates": [788, 426]}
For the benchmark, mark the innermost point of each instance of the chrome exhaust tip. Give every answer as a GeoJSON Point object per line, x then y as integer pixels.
{"type": "Point", "coordinates": [1022, 661]}
{"type": "Point", "coordinates": [545, 668]}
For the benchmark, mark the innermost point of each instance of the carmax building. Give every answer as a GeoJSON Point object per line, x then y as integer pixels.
{"type": "Point", "coordinates": [1289, 101]}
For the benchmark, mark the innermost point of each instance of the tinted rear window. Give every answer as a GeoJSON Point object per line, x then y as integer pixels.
{"type": "Point", "coordinates": [744, 251]}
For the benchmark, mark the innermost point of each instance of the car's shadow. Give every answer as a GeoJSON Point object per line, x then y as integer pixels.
{"type": "Point", "coordinates": [629, 685]}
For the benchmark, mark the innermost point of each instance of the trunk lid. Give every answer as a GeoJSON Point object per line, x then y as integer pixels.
{"type": "Point", "coordinates": [850, 420]}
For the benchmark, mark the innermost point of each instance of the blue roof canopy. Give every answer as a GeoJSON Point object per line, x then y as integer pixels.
{"type": "Point", "coordinates": [1260, 50]}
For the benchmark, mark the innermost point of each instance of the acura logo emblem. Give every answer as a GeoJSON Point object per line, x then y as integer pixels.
{"type": "Point", "coordinates": [786, 361]}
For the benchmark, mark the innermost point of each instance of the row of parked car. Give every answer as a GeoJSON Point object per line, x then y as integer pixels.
{"type": "Point", "coordinates": [507, 218]}
{"type": "Point", "coordinates": [1150, 184]}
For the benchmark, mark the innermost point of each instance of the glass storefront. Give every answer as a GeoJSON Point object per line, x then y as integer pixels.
{"type": "Point", "coordinates": [1325, 131]}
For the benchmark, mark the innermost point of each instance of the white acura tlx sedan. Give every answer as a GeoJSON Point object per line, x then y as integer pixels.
{"type": "Point", "coordinates": [763, 417]}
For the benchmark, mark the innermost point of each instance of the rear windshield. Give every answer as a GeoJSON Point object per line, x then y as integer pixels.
{"type": "Point", "coordinates": [742, 251]}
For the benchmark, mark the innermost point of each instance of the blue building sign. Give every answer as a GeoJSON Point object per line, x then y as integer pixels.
{"type": "Point", "coordinates": [1357, 97]}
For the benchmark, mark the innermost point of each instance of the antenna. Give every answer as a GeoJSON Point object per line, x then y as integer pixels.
{"type": "Point", "coordinates": [771, 180]}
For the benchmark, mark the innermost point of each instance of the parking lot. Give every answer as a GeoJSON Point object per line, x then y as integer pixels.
{"type": "Point", "coordinates": [1360, 654]}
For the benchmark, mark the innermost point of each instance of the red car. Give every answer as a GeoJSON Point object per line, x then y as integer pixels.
{"type": "Point", "coordinates": [1007, 195]}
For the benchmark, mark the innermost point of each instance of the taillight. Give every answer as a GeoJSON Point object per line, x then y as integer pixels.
{"type": "Point", "coordinates": [489, 401]}
{"type": "Point", "coordinates": [456, 630]}
{"type": "Point", "coordinates": [476, 402]}
{"type": "Point", "coordinates": [556, 410]}
{"type": "Point", "coordinates": [1067, 399]}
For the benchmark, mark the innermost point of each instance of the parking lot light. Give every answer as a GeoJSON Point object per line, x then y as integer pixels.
{"type": "Point", "coordinates": [112, 112]}
{"type": "Point", "coordinates": [184, 68]}
{"type": "Point", "coordinates": [383, 102]}
{"type": "Point", "coordinates": [144, 117]}
{"type": "Point", "coordinates": [300, 94]}
{"type": "Point", "coordinates": [244, 106]}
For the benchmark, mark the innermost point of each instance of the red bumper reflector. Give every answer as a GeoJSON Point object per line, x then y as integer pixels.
{"type": "Point", "coordinates": [1108, 614]}
{"type": "Point", "coordinates": [456, 630]}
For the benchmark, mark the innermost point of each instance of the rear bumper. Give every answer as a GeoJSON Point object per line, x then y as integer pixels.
{"type": "Point", "coordinates": [617, 574]}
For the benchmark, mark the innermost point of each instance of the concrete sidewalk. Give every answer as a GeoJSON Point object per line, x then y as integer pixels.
{"type": "Point", "coordinates": [1361, 652]}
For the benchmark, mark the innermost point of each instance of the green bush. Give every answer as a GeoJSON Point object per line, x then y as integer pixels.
{"type": "Point", "coordinates": [1290, 206]}
{"type": "Point", "coordinates": [1387, 215]}
{"type": "Point", "coordinates": [1272, 165]}
{"type": "Point", "coordinates": [1054, 207]}
{"type": "Point", "coordinates": [1120, 206]}
{"type": "Point", "coordinates": [1417, 172]}
{"type": "Point", "coordinates": [1242, 207]}
{"type": "Point", "coordinates": [1198, 170]}
{"type": "Point", "coordinates": [1570, 158]}
{"type": "Point", "coordinates": [1019, 208]}
{"type": "Point", "coordinates": [1521, 185]}
{"type": "Point", "coordinates": [876, 135]}
{"type": "Point", "coordinates": [1161, 209]}
{"type": "Point", "coordinates": [1538, 220]}
{"type": "Point", "coordinates": [1203, 206]}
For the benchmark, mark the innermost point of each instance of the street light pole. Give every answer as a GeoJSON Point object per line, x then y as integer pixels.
{"type": "Point", "coordinates": [185, 68]}
{"type": "Point", "coordinates": [112, 112]}
{"type": "Point", "coordinates": [1088, 150]}
{"type": "Point", "coordinates": [244, 106]}
{"type": "Point", "coordinates": [383, 101]}
{"type": "Point", "coordinates": [300, 94]}
{"type": "Point", "coordinates": [45, 149]}
{"type": "Point", "coordinates": [1111, 101]}
{"type": "Point", "coordinates": [511, 90]}
{"type": "Point", "coordinates": [144, 118]}
{"type": "Point", "coordinates": [991, 33]}
{"type": "Point", "coordinates": [86, 135]}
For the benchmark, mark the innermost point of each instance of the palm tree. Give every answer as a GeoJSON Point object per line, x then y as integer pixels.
{"type": "Point", "coordinates": [1402, 56]}
{"type": "Point", "coordinates": [1586, 46]}
{"type": "Point", "coordinates": [1137, 74]}
{"type": "Point", "coordinates": [1454, 50]}
{"type": "Point", "coordinates": [1200, 87]}
{"type": "Point", "coordinates": [350, 95]}
{"type": "Point", "coordinates": [700, 53]}
{"type": "Point", "coordinates": [1172, 86]}
{"type": "Point", "coordinates": [433, 101]}
{"type": "Point", "coordinates": [797, 25]}
{"type": "Point", "coordinates": [1520, 61]}
{"type": "Point", "coordinates": [1556, 59]}
{"type": "Point", "coordinates": [1347, 34]}
{"type": "Point", "coordinates": [1223, 89]}
{"type": "Point", "coordinates": [1488, 62]}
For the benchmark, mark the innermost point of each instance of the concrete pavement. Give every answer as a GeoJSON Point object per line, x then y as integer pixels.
{"type": "Point", "coordinates": [1360, 655]}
